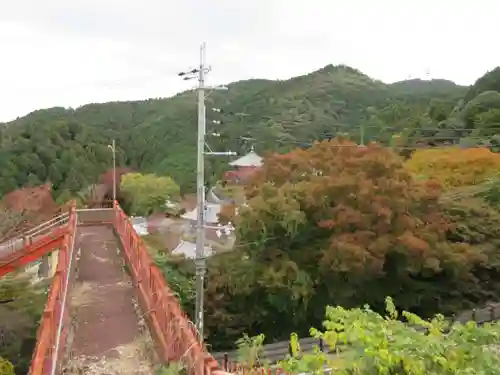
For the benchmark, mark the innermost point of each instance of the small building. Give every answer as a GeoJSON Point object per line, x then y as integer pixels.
{"type": "Point", "coordinates": [188, 249]}
{"type": "Point", "coordinates": [212, 211]}
{"type": "Point", "coordinates": [243, 168]}
{"type": "Point", "coordinates": [212, 222]}
{"type": "Point", "coordinates": [140, 225]}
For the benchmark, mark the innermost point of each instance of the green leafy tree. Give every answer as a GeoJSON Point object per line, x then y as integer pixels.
{"type": "Point", "coordinates": [250, 350]}
{"type": "Point", "coordinates": [370, 343]}
{"type": "Point", "coordinates": [6, 368]}
{"type": "Point", "coordinates": [20, 313]}
{"type": "Point", "coordinates": [147, 193]}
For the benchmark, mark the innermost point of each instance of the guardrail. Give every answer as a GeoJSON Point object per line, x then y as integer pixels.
{"type": "Point", "coordinates": [173, 332]}
{"type": "Point", "coordinates": [27, 224]}
{"type": "Point", "coordinates": [27, 238]}
{"type": "Point", "coordinates": [53, 329]}
{"type": "Point", "coordinates": [271, 352]}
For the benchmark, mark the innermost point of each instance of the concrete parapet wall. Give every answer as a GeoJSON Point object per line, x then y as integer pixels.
{"type": "Point", "coordinates": [95, 216]}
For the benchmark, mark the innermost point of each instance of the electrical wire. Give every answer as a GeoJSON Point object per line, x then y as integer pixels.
{"type": "Point", "coordinates": [440, 134]}
{"type": "Point", "coordinates": [327, 136]}
{"type": "Point", "coordinates": [407, 147]}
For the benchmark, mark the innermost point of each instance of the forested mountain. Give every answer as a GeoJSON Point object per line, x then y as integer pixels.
{"type": "Point", "coordinates": [68, 147]}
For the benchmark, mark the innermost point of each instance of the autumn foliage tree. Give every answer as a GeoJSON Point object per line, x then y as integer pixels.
{"type": "Point", "coordinates": [336, 224]}
{"type": "Point", "coordinates": [455, 167]}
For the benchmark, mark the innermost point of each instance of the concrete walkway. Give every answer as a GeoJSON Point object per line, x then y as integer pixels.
{"type": "Point", "coordinates": [108, 336]}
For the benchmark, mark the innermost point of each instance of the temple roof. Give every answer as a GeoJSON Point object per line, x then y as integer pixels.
{"type": "Point", "coordinates": [249, 160]}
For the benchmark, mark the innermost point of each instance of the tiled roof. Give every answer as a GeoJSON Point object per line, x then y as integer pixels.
{"type": "Point", "coordinates": [249, 160]}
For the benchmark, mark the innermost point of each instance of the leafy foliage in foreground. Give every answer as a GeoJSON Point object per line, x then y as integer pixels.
{"type": "Point", "coordinates": [6, 368]}
{"type": "Point", "coordinates": [372, 344]}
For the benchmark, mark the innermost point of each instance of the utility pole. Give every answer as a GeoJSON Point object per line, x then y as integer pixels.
{"type": "Point", "coordinates": [362, 135]}
{"type": "Point", "coordinates": [112, 147]}
{"type": "Point", "coordinates": [200, 260]}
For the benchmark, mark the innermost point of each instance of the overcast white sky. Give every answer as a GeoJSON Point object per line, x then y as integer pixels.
{"type": "Point", "coordinates": [72, 52]}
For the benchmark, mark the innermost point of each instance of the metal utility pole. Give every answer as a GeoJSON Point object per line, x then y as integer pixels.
{"type": "Point", "coordinates": [112, 147]}
{"type": "Point", "coordinates": [200, 260]}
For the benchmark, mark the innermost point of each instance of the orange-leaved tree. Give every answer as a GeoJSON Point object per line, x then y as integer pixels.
{"type": "Point", "coordinates": [359, 201]}
{"type": "Point", "coordinates": [454, 166]}
{"type": "Point", "coordinates": [337, 224]}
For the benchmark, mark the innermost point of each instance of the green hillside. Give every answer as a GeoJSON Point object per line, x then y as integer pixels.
{"type": "Point", "coordinates": [69, 146]}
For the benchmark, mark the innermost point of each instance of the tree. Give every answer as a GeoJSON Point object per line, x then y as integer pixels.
{"type": "Point", "coordinates": [454, 167]}
{"type": "Point", "coordinates": [359, 206]}
{"type": "Point", "coordinates": [373, 344]}
{"type": "Point", "coordinates": [10, 222]}
{"type": "Point", "coordinates": [6, 368]}
{"type": "Point", "coordinates": [21, 308]}
{"type": "Point", "coordinates": [147, 193]}
{"type": "Point", "coordinates": [490, 81]}
{"type": "Point", "coordinates": [336, 223]}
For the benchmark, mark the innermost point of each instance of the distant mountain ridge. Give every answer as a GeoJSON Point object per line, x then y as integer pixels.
{"type": "Point", "coordinates": [68, 147]}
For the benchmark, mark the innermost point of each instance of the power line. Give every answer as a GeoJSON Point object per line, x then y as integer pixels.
{"type": "Point", "coordinates": [310, 143]}
{"type": "Point", "coordinates": [411, 131]}
{"type": "Point", "coordinates": [440, 135]}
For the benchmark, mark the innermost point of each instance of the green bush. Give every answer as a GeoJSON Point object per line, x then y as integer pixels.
{"type": "Point", "coordinates": [6, 368]}
{"type": "Point", "coordinates": [371, 344]}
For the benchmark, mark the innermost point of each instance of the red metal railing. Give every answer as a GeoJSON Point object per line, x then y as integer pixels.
{"type": "Point", "coordinates": [174, 333]}
{"type": "Point", "coordinates": [31, 222]}
{"type": "Point", "coordinates": [51, 335]}
{"type": "Point", "coordinates": [31, 251]}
